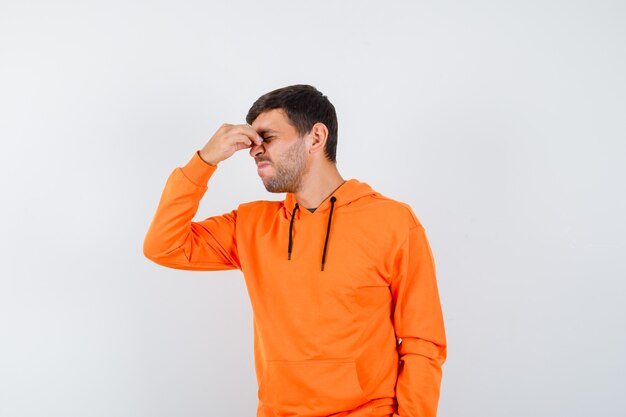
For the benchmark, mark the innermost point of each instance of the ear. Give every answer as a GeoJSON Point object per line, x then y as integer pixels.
{"type": "Point", "coordinates": [318, 135]}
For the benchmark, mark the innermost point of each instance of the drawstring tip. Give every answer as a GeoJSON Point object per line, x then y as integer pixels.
{"type": "Point", "coordinates": [289, 256]}
{"type": "Point", "coordinates": [322, 267]}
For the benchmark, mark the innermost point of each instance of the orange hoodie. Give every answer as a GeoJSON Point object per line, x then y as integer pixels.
{"type": "Point", "coordinates": [332, 292]}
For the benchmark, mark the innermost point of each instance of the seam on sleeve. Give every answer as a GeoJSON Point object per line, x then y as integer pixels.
{"type": "Point", "coordinates": [203, 187]}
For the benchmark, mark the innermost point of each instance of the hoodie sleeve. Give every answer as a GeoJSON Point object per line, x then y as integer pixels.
{"type": "Point", "coordinates": [175, 241]}
{"type": "Point", "coordinates": [418, 322]}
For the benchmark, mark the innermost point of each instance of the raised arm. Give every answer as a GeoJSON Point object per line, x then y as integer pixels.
{"type": "Point", "coordinates": [173, 239]}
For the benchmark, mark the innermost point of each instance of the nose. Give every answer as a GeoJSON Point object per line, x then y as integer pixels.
{"type": "Point", "coordinates": [256, 150]}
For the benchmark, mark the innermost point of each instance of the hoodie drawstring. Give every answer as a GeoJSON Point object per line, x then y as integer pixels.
{"type": "Point", "coordinates": [332, 205]}
{"type": "Point", "coordinates": [330, 217]}
{"type": "Point", "coordinates": [293, 214]}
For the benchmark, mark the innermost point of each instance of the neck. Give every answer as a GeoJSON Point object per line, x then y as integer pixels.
{"type": "Point", "coordinates": [317, 185]}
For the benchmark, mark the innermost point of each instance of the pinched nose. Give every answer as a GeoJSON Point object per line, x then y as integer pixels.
{"type": "Point", "coordinates": [256, 150]}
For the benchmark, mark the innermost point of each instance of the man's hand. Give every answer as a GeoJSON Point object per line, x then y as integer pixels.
{"type": "Point", "coordinates": [227, 140]}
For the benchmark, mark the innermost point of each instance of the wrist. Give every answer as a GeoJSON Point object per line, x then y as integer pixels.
{"type": "Point", "coordinates": [207, 160]}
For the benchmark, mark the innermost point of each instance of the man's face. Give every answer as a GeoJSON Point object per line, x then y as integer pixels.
{"type": "Point", "coordinates": [281, 159]}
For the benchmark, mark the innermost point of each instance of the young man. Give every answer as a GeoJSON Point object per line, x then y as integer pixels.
{"type": "Point", "coordinates": [347, 318]}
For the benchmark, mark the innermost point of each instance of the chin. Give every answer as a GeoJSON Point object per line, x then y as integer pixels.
{"type": "Point", "coordinates": [275, 189]}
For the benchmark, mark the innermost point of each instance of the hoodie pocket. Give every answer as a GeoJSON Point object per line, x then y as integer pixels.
{"type": "Point", "coordinates": [311, 388]}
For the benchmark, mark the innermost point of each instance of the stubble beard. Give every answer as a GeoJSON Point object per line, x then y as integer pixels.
{"type": "Point", "coordinates": [289, 171]}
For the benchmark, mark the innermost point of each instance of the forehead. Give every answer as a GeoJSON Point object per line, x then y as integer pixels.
{"type": "Point", "coordinates": [272, 121]}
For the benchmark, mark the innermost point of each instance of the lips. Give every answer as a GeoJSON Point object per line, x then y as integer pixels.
{"type": "Point", "coordinates": [261, 165]}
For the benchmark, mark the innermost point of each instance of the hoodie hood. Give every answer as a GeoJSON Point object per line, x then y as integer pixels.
{"type": "Point", "coordinates": [347, 193]}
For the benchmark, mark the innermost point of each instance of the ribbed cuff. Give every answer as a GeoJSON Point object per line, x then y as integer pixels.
{"type": "Point", "coordinates": [198, 171]}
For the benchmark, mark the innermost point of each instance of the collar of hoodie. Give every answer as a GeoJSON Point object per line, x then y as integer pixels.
{"type": "Point", "coordinates": [348, 192]}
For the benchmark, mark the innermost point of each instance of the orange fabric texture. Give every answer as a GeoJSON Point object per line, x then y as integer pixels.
{"type": "Point", "coordinates": [363, 337]}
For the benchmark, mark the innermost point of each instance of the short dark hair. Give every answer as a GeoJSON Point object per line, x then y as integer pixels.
{"type": "Point", "coordinates": [305, 106]}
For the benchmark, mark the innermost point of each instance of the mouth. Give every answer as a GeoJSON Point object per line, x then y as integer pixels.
{"type": "Point", "coordinates": [261, 165]}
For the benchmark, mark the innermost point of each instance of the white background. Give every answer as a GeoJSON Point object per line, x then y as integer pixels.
{"type": "Point", "coordinates": [502, 123]}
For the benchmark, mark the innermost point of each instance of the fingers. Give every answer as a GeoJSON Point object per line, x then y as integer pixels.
{"type": "Point", "coordinates": [249, 131]}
